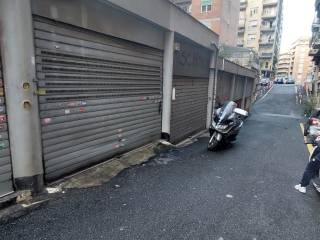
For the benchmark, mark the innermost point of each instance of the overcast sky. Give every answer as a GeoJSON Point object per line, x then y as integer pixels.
{"type": "Point", "coordinates": [298, 16]}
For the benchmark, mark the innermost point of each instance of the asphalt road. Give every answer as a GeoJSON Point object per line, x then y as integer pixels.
{"type": "Point", "coordinates": [243, 192]}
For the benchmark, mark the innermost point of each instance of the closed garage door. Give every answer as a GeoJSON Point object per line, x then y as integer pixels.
{"type": "Point", "coordinates": [189, 109]}
{"type": "Point", "coordinates": [99, 96]}
{"type": "Point", "coordinates": [224, 86]}
{"type": "Point", "coordinates": [239, 88]}
{"type": "Point", "coordinates": [5, 159]}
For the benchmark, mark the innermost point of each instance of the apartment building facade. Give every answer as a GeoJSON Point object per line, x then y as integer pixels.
{"type": "Point", "coordinates": [284, 64]}
{"type": "Point", "coordinates": [260, 28]}
{"type": "Point", "coordinates": [315, 48]}
{"type": "Point", "coordinates": [296, 63]}
{"type": "Point", "coordinates": [301, 63]}
{"type": "Point", "coordinates": [221, 16]}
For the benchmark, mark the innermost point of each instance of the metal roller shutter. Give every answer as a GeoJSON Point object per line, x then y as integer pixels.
{"type": "Point", "coordinates": [224, 86]}
{"type": "Point", "coordinates": [189, 109]}
{"type": "Point", "coordinates": [249, 87]}
{"type": "Point", "coordinates": [5, 155]}
{"type": "Point", "coordinates": [239, 88]}
{"type": "Point", "coordinates": [98, 95]}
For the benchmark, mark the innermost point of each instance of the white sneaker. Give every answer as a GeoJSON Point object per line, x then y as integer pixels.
{"type": "Point", "coordinates": [300, 188]}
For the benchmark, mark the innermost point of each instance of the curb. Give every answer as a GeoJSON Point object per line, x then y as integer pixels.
{"type": "Point", "coordinates": [18, 210]}
{"type": "Point", "coordinates": [21, 204]}
{"type": "Point", "coordinates": [191, 140]}
{"type": "Point", "coordinates": [102, 173]}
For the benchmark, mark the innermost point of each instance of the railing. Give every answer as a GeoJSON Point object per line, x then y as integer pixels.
{"type": "Point", "coordinates": [315, 41]}
{"type": "Point", "coordinates": [269, 15]}
{"type": "Point", "coordinates": [268, 28]}
{"type": "Point", "coordinates": [243, 4]}
{"type": "Point", "coordinates": [283, 64]}
{"type": "Point", "coordinates": [314, 52]}
{"type": "Point", "coordinates": [266, 41]}
{"type": "Point", "coordinates": [266, 54]}
{"type": "Point", "coordinates": [242, 23]}
{"type": "Point", "coordinates": [316, 26]}
{"type": "Point", "coordinates": [270, 2]}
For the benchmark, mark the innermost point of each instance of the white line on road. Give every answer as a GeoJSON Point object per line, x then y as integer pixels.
{"type": "Point", "coordinates": [265, 94]}
{"type": "Point", "coordinates": [281, 115]}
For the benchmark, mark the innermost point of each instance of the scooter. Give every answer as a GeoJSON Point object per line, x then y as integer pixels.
{"type": "Point", "coordinates": [226, 125]}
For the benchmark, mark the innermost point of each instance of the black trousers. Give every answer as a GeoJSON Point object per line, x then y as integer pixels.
{"type": "Point", "coordinates": [312, 170]}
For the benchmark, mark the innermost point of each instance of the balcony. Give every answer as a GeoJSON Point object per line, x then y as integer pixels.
{"type": "Point", "coordinates": [268, 28]}
{"type": "Point", "coordinates": [283, 69]}
{"type": "Point", "coordinates": [242, 23]}
{"type": "Point", "coordinates": [316, 26]}
{"type": "Point", "coordinates": [270, 2]}
{"type": "Point", "coordinates": [315, 41]}
{"type": "Point", "coordinates": [240, 31]}
{"type": "Point", "coordinates": [269, 15]}
{"type": "Point", "coordinates": [314, 52]}
{"type": "Point", "coordinates": [240, 43]}
{"type": "Point", "coordinates": [243, 4]}
{"type": "Point", "coordinates": [265, 55]}
{"type": "Point", "coordinates": [283, 65]}
{"type": "Point", "coordinates": [264, 69]}
{"type": "Point", "coordinates": [266, 42]}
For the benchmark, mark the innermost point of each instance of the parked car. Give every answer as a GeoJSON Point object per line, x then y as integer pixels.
{"type": "Point", "coordinates": [265, 82]}
{"type": "Point", "coordinates": [279, 81]}
{"type": "Point", "coordinates": [312, 125]}
{"type": "Point", "coordinates": [290, 81]}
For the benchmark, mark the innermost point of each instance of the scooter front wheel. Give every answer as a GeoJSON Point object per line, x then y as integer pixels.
{"type": "Point", "coordinates": [213, 143]}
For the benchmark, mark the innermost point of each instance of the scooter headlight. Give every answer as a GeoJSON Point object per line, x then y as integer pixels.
{"type": "Point", "coordinates": [222, 127]}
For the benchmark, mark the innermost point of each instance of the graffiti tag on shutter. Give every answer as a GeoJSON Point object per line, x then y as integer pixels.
{"type": "Point", "coordinates": [3, 118]}
{"type": "Point", "coordinates": [3, 145]}
{"type": "Point", "coordinates": [47, 121]}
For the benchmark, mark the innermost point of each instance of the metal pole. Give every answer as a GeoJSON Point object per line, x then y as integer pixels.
{"type": "Point", "coordinates": [233, 85]}
{"type": "Point", "coordinates": [315, 82]}
{"type": "Point", "coordinates": [167, 84]}
{"type": "Point", "coordinates": [211, 86]}
{"type": "Point", "coordinates": [17, 47]}
{"type": "Point", "coordinates": [243, 102]}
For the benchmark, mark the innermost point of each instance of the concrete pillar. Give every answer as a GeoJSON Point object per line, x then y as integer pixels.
{"type": "Point", "coordinates": [233, 85]}
{"type": "Point", "coordinates": [253, 93]}
{"type": "Point", "coordinates": [167, 84]}
{"type": "Point", "coordinates": [17, 47]}
{"type": "Point", "coordinates": [243, 102]}
{"type": "Point", "coordinates": [211, 87]}
{"type": "Point", "coordinates": [251, 99]}
{"type": "Point", "coordinates": [254, 89]}
{"type": "Point", "coordinates": [216, 79]}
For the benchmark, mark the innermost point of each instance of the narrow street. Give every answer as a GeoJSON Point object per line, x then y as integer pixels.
{"type": "Point", "coordinates": [244, 192]}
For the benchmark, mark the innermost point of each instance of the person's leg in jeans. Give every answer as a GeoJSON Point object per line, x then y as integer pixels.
{"type": "Point", "coordinates": [310, 172]}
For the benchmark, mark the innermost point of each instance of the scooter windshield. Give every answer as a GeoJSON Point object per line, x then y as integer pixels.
{"type": "Point", "coordinates": [226, 110]}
